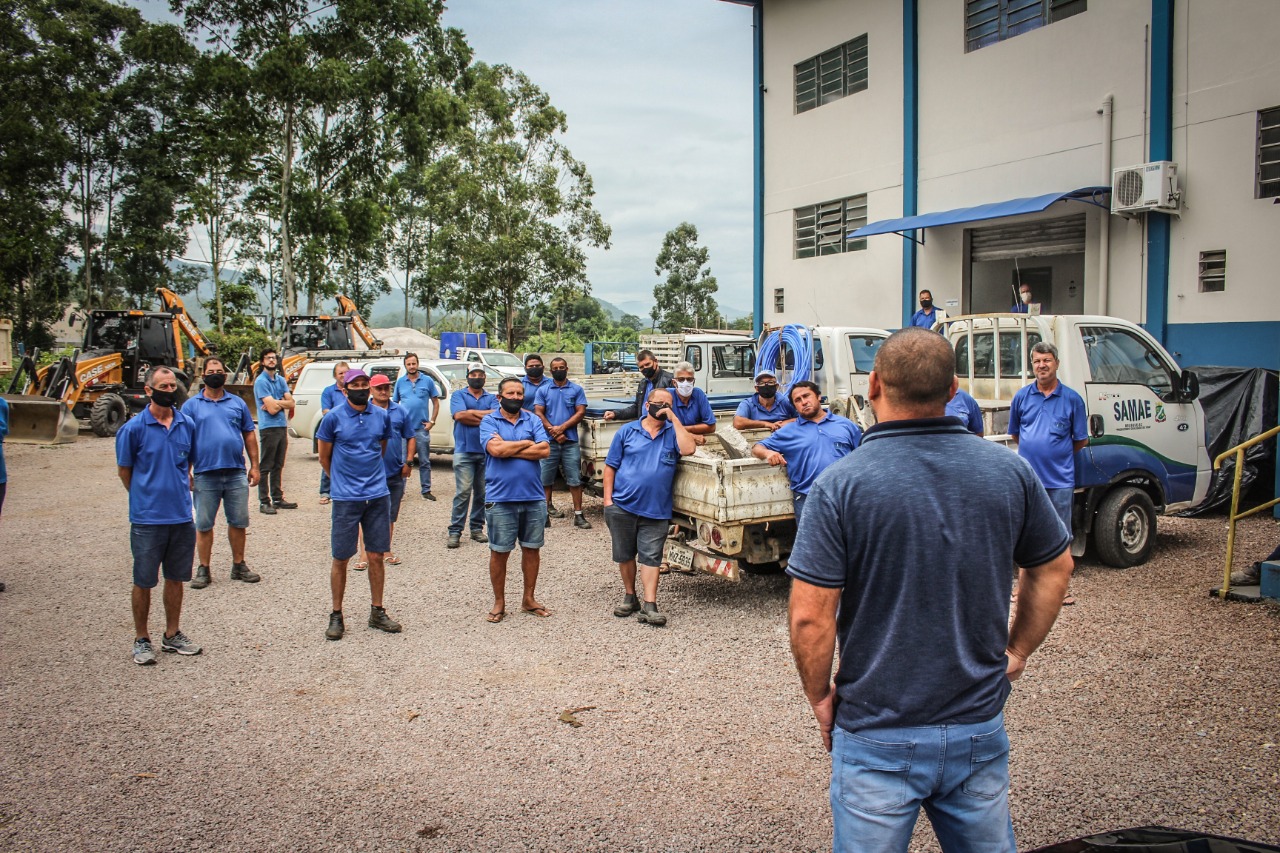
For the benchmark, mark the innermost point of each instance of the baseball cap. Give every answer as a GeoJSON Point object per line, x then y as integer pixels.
{"type": "Point", "coordinates": [352, 375]}
{"type": "Point", "coordinates": [768, 373]}
{"type": "Point", "coordinates": [379, 379]}
{"type": "Point", "coordinates": [475, 369]}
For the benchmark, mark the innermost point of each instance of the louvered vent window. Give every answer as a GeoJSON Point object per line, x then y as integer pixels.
{"type": "Point", "coordinates": [989, 21]}
{"type": "Point", "coordinates": [830, 76]}
{"type": "Point", "coordinates": [1213, 271]}
{"type": "Point", "coordinates": [822, 229]}
{"type": "Point", "coordinates": [1269, 153]}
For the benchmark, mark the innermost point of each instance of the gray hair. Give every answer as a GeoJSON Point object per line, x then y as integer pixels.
{"type": "Point", "coordinates": [1045, 348]}
{"type": "Point", "coordinates": [158, 370]}
{"type": "Point", "coordinates": [684, 365]}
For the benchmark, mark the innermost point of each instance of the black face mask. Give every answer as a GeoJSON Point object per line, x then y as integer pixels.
{"type": "Point", "coordinates": [656, 408]}
{"type": "Point", "coordinates": [215, 380]}
{"type": "Point", "coordinates": [476, 382]}
{"type": "Point", "coordinates": [358, 396]}
{"type": "Point", "coordinates": [163, 399]}
{"type": "Point", "coordinates": [511, 406]}
{"type": "Point", "coordinates": [649, 372]}
{"type": "Point", "coordinates": [559, 375]}
{"type": "Point", "coordinates": [926, 304]}
{"type": "Point", "coordinates": [767, 392]}
{"type": "Point", "coordinates": [533, 372]}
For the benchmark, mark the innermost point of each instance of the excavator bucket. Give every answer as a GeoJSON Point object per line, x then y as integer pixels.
{"type": "Point", "coordinates": [245, 392]}
{"type": "Point", "coordinates": [39, 420]}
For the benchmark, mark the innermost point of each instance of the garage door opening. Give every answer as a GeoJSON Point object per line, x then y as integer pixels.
{"type": "Point", "coordinates": [1047, 254]}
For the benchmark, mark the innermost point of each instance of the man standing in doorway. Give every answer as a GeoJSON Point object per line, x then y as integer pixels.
{"type": "Point", "coordinates": [928, 313]}
{"type": "Point", "coordinates": [416, 392]}
{"type": "Point", "coordinates": [764, 409]}
{"type": "Point", "coordinates": [274, 403]}
{"type": "Point", "coordinates": [561, 405]}
{"type": "Point", "coordinates": [223, 436]}
{"type": "Point", "coordinates": [927, 656]}
{"type": "Point", "coordinates": [1024, 299]}
{"type": "Point", "coordinates": [468, 406]}
{"type": "Point", "coordinates": [654, 377]}
{"type": "Point", "coordinates": [153, 455]}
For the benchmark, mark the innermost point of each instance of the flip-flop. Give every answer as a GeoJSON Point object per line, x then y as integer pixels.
{"type": "Point", "coordinates": [495, 618]}
{"type": "Point", "coordinates": [324, 500]}
{"type": "Point", "coordinates": [539, 611]}
{"type": "Point", "coordinates": [361, 566]}
{"type": "Point", "coordinates": [393, 560]}
{"type": "Point", "coordinates": [664, 568]}
{"type": "Point", "coordinates": [1068, 600]}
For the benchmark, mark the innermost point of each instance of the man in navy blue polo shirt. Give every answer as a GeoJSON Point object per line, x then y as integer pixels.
{"type": "Point", "coordinates": [927, 655]}
{"type": "Point", "coordinates": [514, 443]}
{"type": "Point", "coordinates": [534, 379]}
{"type": "Point", "coordinates": [690, 404]}
{"type": "Point", "coordinates": [764, 409]}
{"type": "Point", "coordinates": [809, 444]}
{"type": "Point", "coordinates": [331, 396]}
{"type": "Point", "coordinates": [639, 470]}
{"type": "Point", "coordinates": [1049, 425]}
{"type": "Point", "coordinates": [153, 455]}
{"type": "Point", "coordinates": [223, 437]}
{"type": "Point", "coordinates": [561, 405]}
{"type": "Point", "coordinates": [468, 406]}
{"type": "Point", "coordinates": [400, 449]}
{"type": "Point", "coordinates": [353, 438]}
{"type": "Point", "coordinates": [274, 404]}
{"type": "Point", "coordinates": [417, 392]}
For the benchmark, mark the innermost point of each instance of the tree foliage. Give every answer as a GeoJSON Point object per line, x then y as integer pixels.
{"type": "Point", "coordinates": [684, 298]}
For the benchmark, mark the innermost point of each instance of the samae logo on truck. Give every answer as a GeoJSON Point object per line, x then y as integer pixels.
{"type": "Point", "coordinates": [1135, 414]}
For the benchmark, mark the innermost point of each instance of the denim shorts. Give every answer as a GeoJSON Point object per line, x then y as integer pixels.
{"type": "Point", "coordinates": [508, 522]}
{"type": "Point", "coordinates": [228, 486]}
{"type": "Point", "coordinates": [168, 546]}
{"type": "Point", "coordinates": [1062, 500]}
{"type": "Point", "coordinates": [635, 537]}
{"type": "Point", "coordinates": [350, 517]}
{"type": "Point", "coordinates": [396, 485]}
{"type": "Point", "coordinates": [565, 457]}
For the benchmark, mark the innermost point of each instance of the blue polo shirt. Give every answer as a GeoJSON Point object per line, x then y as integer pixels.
{"type": "Point", "coordinates": [265, 386]}
{"type": "Point", "coordinates": [355, 471]}
{"type": "Point", "coordinates": [4, 430]}
{"type": "Point", "coordinates": [415, 397]}
{"type": "Point", "coordinates": [220, 427]}
{"type": "Point", "coordinates": [1046, 428]}
{"type": "Point", "coordinates": [466, 439]}
{"type": "Point", "coordinates": [923, 320]}
{"type": "Point", "coordinates": [695, 410]}
{"type": "Point", "coordinates": [331, 397]}
{"type": "Point", "coordinates": [160, 489]}
{"type": "Point", "coordinates": [509, 480]}
{"type": "Point", "coordinates": [401, 428]}
{"type": "Point", "coordinates": [964, 407]}
{"type": "Point", "coordinates": [751, 409]}
{"type": "Point", "coordinates": [810, 446]}
{"type": "Point", "coordinates": [560, 402]}
{"type": "Point", "coordinates": [531, 391]}
{"type": "Point", "coordinates": [646, 467]}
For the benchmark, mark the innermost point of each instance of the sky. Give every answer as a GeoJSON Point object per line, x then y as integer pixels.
{"type": "Point", "coordinates": [658, 99]}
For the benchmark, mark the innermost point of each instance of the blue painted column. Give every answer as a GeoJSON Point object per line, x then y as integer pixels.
{"type": "Point", "coordinates": [1161, 148]}
{"type": "Point", "coordinates": [910, 148]}
{"type": "Point", "coordinates": [757, 249]}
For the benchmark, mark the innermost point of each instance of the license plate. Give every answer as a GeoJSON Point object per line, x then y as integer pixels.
{"type": "Point", "coordinates": [679, 556]}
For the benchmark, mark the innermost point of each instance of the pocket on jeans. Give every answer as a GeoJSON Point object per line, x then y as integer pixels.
{"type": "Point", "coordinates": [988, 765]}
{"type": "Point", "coordinates": [490, 505]}
{"type": "Point", "coordinates": [873, 775]}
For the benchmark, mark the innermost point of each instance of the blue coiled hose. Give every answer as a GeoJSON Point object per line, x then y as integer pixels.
{"type": "Point", "coordinates": [800, 340]}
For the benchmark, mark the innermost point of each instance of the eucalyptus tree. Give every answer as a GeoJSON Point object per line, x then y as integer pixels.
{"type": "Point", "coordinates": [685, 296]}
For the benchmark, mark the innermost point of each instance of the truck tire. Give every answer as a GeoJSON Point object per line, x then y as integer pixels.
{"type": "Point", "coordinates": [1124, 531]}
{"type": "Point", "coordinates": [108, 414]}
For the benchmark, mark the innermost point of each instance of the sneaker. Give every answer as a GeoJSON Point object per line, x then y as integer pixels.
{"type": "Point", "coordinates": [266, 509]}
{"type": "Point", "coordinates": [629, 604]}
{"type": "Point", "coordinates": [427, 496]}
{"type": "Point", "coordinates": [143, 654]}
{"type": "Point", "coordinates": [181, 644]}
{"type": "Point", "coordinates": [286, 505]}
{"type": "Point", "coordinates": [580, 521]}
{"type": "Point", "coordinates": [240, 572]}
{"type": "Point", "coordinates": [478, 536]}
{"type": "Point", "coordinates": [552, 512]}
{"type": "Point", "coordinates": [202, 579]}
{"type": "Point", "coordinates": [455, 539]}
{"type": "Point", "coordinates": [650, 616]}
{"type": "Point", "coordinates": [1251, 576]}
{"type": "Point", "coordinates": [379, 619]}
{"type": "Point", "coordinates": [336, 627]}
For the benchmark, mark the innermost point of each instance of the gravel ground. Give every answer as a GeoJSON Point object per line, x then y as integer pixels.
{"type": "Point", "coordinates": [1149, 704]}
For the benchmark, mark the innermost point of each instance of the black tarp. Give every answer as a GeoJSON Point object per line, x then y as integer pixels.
{"type": "Point", "coordinates": [1156, 839]}
{"type": "Point", "coordinates": [1239, 403]}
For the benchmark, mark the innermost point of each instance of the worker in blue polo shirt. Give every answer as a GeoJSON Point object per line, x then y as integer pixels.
{"type": "Point", "coordinates": [514, 442]}
{"type": "Point", "coordinates": [400, 449]}
{"type": "Point", "coordinates": [153, 455]}
{"type": "Point", "coordinates": [224, 436]}
{"type": "Point", "coordinates": [808, 444]}
{"type": "Point", "coordinates": [331, 396]}
{"type": "Point", "coordinates": [561, 405]}
{"type": "Point", "coordinates": [353, 438]}
{"type": "Point", "coordinates": [964, 407]}
{"type": "Point", "coordinates": [928, 313]}
{"type": "Point", "coordinates": [468, 406]}
{"type": "Point", "coordinates": [691, 406]}
{"type": "Point", "coordinates": [534, 379]}
{"type": "Point", "coordinates": [417, 392]}
{"type": "Point", "coordinates": [764, 409]}
{"type": "Point", "coordinates": [1049, 425]}
{"type": "Point", "coordinates": [639, 470]}
{"type": "Point", "coordinates": [271, 392]}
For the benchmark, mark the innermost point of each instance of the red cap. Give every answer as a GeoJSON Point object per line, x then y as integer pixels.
{"type": "Point", "coordinates": [379, 379]}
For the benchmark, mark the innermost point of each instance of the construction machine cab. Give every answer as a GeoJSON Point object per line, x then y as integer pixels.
{"type": "Point", "coordinates": [311, 333]}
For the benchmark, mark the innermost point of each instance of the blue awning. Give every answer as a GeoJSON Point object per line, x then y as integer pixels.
{"type": "Point", "coordinates": [995, 210]}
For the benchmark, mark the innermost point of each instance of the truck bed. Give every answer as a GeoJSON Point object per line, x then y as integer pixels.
{"type": "Point", "coordinates": [731, 491]}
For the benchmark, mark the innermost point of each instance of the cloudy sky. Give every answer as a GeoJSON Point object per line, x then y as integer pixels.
{"type": "Point", "coordinates": [658, 96]}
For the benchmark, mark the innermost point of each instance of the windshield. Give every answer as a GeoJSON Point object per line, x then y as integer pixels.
{"type": "Point", "coordinates": [456, 374]}
{"type": "Point", "coordinates": [503, 359]}
{"type": "Point", "coordinates": [117, 333]}
{"type": "Point", "coordinates": [864, 349]}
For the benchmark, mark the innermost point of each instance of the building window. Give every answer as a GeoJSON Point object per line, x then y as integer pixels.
{"type": "Point", "coordinates": [832, 75]}
{"type": "Point", "coordinates": [1269, 153]}
{"type": "Point", "coordinates": [822, 229]}
{"type": "Point", "coordinates": [778, 300]}
{"type": "Point", "coordinates": [1213, 271]}
{"type": "Point", "coordinates": [989, 21]}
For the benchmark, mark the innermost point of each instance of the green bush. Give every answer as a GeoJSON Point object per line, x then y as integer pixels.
{"type": "Point", "coordinates": [240, 334]}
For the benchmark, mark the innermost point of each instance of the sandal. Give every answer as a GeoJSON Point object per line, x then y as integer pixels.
{"type": "Point", "coordinates": [361, 566]}
{"type": "Point", "coordinates": [392, 560]}
{"type": "Point", "coordinates": [496, 617]}
{"type": "Point", "coordinates": [664, 568]}
{"type": "Point", "coordinates": [539, 611]}
{"type": "Point", "coordinates": [1068, 600]}
{"type": "Point", "coordinates": [324, 501]}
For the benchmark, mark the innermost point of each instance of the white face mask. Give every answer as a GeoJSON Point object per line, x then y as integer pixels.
{"type": "Point", "coordinates": [1026, 297]}
{"type": "Point", "coordinates": [685, 387]}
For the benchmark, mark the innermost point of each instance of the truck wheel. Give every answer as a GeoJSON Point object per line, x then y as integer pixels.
{"type": "Point", "coordinates": [107, 415]}
{"type": "Point", "coordinates": [1125, 530]}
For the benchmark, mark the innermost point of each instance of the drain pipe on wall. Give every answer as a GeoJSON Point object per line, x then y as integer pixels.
{"type": "Point", "coordinates": [1104, 235]}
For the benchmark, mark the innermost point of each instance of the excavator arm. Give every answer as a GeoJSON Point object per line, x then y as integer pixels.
{"type": "Point", "coordinates": [184, 325]}
{"type": "Point", "coordinates": [347, 308]}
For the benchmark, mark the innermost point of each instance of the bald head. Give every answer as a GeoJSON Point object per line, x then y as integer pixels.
{"type": "Point", "coordinates": [916, 370]}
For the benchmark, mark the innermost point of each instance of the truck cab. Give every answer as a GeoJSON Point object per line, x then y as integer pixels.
{"type": "Point", "coordinates": [500, 360]}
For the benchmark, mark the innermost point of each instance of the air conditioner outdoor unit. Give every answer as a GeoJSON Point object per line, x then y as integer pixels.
{"type": "Point", "coordinates": [1151, 186]}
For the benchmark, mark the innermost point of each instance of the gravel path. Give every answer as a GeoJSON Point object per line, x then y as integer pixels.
{"type": "Point", "coordinates": [1150, 703]}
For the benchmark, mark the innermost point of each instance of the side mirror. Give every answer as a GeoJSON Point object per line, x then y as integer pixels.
{"type": "Point", "coordinates": [1188, 387]}
{"type": "Point", "coordinates": [1096, 426]}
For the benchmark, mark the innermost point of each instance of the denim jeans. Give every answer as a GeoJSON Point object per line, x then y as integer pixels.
{"type": "Point", "coordinates": [324, 483]}
{"type": "Point", "coordinates": [1061, 500]}
{"type": "Point", "coordinates": [422, 440]}
{"type": "Point", "coordinates": [226, 486]}
{"type": "Point", "coordinates": [959, 773]}
{"type": "Point", "coordinates": [468, 483]}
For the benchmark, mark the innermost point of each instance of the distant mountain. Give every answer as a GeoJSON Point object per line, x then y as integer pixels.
{"type": "Point", "coordinates": [642, 309]}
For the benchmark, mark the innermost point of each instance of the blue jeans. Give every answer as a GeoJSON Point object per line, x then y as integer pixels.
{"type": "Point", "coordinates": [960, 774]}
{"type": "Point", "coordinates": [422, 441]}
{"type": "Point", "coordinates": [566, 459]}
{"type": "Point", "coordinates": [324, 483]}
{"type": "Point", "coordinates": [1061, 500]}
{"type": "Point", "coordinates": [226, 486]}
{"type": "Point", "coordinates": [516, 521]}
{"type": "Point", "coordinates": [797, 502]}
{"type": "Point", "coordinates": [468, 483]}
